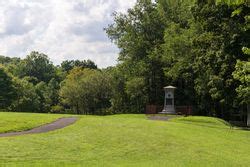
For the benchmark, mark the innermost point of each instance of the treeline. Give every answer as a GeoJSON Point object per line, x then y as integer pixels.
{"type": "Point", "coordinates": [201, 47]}
{"type": "Point", "coordinates": [34, 84]}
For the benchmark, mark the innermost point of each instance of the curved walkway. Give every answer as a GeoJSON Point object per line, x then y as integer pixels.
{"type": "Point", "coordinates": [58, 124]}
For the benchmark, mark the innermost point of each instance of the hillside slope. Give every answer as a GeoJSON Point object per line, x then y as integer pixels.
{"type": "Point", "coordinates": [131, 140]}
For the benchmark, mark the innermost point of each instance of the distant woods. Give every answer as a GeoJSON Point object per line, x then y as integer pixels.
{"type": "Point", "coordinates": [34, 84]}
{"type": "Point", "coordinates": [199, 46]}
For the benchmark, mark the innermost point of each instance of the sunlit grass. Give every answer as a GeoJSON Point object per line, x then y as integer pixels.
{"type": "Point", "coordinates": [13, 122]}
{"type": "Point", "coordinates": [131, 140]}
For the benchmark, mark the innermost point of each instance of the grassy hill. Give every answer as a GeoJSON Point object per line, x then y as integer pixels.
{"type": "Point", "coordinates": [128, 140]}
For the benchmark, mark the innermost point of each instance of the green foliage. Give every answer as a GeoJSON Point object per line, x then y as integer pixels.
{"type": "Point", "coordinates": [178, 60]}
{"type": "Point", "coordinates": [246, 50]}
{"type": "Point", "coordinates": [37, 65]}
{"type": "Point", "coordinates": [34, 98]}
{"type": "Point", "coordinates": [8, 60]}
{"type": "Point", "coordinates": [70, 64]}
{"type": "Point", "coordinates": [36, 83]}
{"type": "Point", "coordinates": [135, 89]}
{"type": "Point", "coordinates": [53, 91]}
{"type": "Point", "coordinates": [86, 91]}
{"type": "Point", "coordinates": [216, 49]}
{"type": "Point", "coordinates": [242, 74]}
{"type": "Point", "coordinates": [44, 97]}
{"type": "Point", "coordinates": [7, 91]}
{"type": "Point", "coordinates": [137, 34]}
{"type": "Point", "coordinates": [194, 45]}
{"type": "Point", "coordinates": [57, 109]}
{"type": "Point", "coordinates": [233, 2]}
{"type": "Point", "coordinates": [119, 100]}
{"type": "Point", "coordinates": [27, 99]}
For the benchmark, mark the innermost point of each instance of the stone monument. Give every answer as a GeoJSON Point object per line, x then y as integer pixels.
{"type": "Point", "coordinates": [169, 107]}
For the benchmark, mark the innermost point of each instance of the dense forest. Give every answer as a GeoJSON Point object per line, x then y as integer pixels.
{"type": "Point", "coordinates": [199, 46]}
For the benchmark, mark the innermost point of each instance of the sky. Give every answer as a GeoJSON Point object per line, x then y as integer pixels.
{"type": "Point", "coordinates": [61, 29]}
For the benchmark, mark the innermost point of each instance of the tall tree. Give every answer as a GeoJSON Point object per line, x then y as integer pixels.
{"type": "Point", "coordinates": [216, 49]}
{"type": "Point", "coordinates": [137, 34]}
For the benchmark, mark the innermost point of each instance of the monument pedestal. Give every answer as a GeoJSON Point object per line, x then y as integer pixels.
{"type": "Point", "coordinates": [167, 112]}
{"type": "Point", "coordinates": [169, 100]}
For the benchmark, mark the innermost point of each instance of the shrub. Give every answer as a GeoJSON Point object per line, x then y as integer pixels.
{"type": "Point", "coordinates": [57, 109]}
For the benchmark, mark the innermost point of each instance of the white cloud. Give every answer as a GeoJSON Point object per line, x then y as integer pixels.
{"type": "Point", "coordinates": [62, 29]}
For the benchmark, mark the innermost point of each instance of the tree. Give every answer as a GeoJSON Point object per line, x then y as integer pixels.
{"type": "Point", "coordinates": [86, 91]}
{"type": "Point", "coordinates": [38, 66]}
{"type": "Point", "coordinates": [216, 49]}
{"type": "Point", "coordinates": [7, 91]}
{"type": "Point", "coordinates": [53, 91]}
{"type": "Point", "coordinates": [119, 99]}
{"type": "Point", "coordinates": [178, 60]}
{"type": "Point", "coordinates": [27, 99]}
{"type": "Point", "coordinates": [193, 45]}
{"type": "Point", "coordinates": [7, 60]}
{"type": "Point", "coordinates": [138, 33]}
{"type": "Point", "coordinates": [44, 101]}
{"type": "Point", "coordinates": [135, 89]}
{"type": "Point", "coordinates": [70, 64]}
{"type": "Point", "coordinates": [242, 74]}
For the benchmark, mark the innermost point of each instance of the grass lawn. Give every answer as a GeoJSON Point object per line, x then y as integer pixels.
{"type": "Point", "coordinates": [13, 122]}
{"type": "Point", "coordinates": [130, 140]}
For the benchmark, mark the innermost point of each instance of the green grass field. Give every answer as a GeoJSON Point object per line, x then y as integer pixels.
{"type": "Point", "coordinates": [14, 122]}
{"type": "Point", "coordinates": [126, 140]}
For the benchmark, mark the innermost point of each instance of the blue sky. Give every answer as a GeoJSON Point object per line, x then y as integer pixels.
{"type": "Point", "coordinates": [62, 29]}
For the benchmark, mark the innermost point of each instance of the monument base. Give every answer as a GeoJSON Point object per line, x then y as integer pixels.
{"type": "Point", "coordinates": [168, 112]}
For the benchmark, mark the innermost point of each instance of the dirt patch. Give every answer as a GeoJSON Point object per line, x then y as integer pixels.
{"type": "Point", "coordinates": [58, 124]}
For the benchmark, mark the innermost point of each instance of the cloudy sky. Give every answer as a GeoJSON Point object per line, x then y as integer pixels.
{"type": "Point", "coordinates": [62, 29]}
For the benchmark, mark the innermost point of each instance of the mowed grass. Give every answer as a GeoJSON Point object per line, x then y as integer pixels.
{"type": "Point", "coordinates": [14, 122]}
{"type": "Point", "coordinates": [131, 140]}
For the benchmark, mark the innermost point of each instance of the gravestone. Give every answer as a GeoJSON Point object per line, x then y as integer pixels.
{"type": "Point", "coordinates": [169, 107]}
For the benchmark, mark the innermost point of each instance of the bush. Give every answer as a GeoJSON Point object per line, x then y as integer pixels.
{"type": "Point", "coordinates": [57, 109]}
{"type": "Point", "coordinates": [104, 111]}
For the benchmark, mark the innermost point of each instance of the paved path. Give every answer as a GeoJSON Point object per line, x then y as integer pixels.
{"type": "Point", "coordinates": [58, 124]}
{"type": "Point", "coordinates": [161, 118]}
